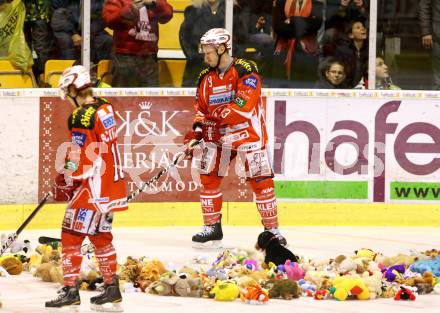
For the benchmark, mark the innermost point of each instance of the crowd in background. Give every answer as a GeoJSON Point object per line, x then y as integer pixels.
{"type": "Point", "coordinates": [295, 43]}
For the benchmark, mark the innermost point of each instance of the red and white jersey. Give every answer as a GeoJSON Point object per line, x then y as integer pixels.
{"type": "Point", "coordinates": [234, 97]}
{"type": "Point", "coordinates": [94, 159]}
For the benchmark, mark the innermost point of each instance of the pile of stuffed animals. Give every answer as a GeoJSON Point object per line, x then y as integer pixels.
{"type": "Point", "coordinates": [240, 274]}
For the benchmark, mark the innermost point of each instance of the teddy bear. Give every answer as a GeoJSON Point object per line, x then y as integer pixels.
{"type": "Point", "coordinates": [344, 265]}
{"type": "Point", "coordinates": [186, 286]}
{"type": "Point", "coordinates": [50, 272]}
{"type": "Point", "coordinates": [164, 286]}
{"type": "Point", "coordinates": [282, 289]}
{"type": "Point", "coordinates": [344, 286]}
{"type": "Point", "coordinates": [11, 264]}
{"type": "Point", "coordinates": [225, 290]}
{"type": "Point", "coordinates": [373, 283]}
{"type": "Point", "coordinates": [130, 270]}
{"type": "Point", "coordinates": [254, 295]}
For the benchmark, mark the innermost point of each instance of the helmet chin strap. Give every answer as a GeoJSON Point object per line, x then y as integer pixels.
{"type": "Point", "coordinates": [74, 99]}
{"type": "Point", "coordinates": [219, 57]}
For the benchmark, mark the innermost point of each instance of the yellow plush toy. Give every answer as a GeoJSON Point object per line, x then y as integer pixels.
{"type": "Point", "coordinates": [344, 286]}
{"type": "Point", "coordinates": [225, 290]}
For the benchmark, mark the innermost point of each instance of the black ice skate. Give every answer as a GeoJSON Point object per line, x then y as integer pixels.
{"type": "Point", "coordinates": [68, 297]}
{"type": "Point", "coordinates": [109, 300]}
{"type": "Point", "coordinates": [277, 233]}
{"type": "Point", "coordinates": [210, 237]}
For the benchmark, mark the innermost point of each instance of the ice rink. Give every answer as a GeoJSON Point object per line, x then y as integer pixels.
{"type": "Point", "coordinates": [24, 293]}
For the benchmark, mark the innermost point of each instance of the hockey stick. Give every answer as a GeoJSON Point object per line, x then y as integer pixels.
{"type": "Point", "coordinates": [177, 158]}
{"type": "Point", "coordinates": [12, 237]}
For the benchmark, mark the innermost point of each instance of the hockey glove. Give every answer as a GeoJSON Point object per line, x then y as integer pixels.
{"type": "Point", "coordinates": [61, 190]}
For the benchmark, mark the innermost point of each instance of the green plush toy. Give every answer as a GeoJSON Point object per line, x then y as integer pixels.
{"type": "Point", "coordinates": [225, 290]}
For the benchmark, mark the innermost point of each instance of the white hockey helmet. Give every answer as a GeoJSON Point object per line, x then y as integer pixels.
{"type": "Point", "coordinates": [77, 76]}
{"type": "Point", "coordinates": [216, 37]}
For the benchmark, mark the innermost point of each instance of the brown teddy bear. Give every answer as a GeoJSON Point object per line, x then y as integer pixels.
{"type": "Point", "coordinates": [282, 288]}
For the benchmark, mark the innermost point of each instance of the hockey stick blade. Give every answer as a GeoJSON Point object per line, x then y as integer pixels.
{"type": "Point", "coordinates": [155, 178]}
{"type": "Point", "coordinates": [44, 240]}
{"type": "Point", "coordinates": [12, 237]}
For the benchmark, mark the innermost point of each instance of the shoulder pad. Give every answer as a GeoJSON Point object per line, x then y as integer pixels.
{"type": "Point", "coordinates": [83, 117]}
{"type": "Point", "coordinates": [245, 67]}
{"type": "Point", "coordinates": [202, 74]}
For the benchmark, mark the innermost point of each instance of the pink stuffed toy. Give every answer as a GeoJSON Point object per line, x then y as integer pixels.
{"type": "Point", "coordinates": [293, 271]}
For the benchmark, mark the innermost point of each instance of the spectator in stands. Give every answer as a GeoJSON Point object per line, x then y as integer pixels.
{"type": "Point", "coordinates": [354, 51]}
{"type": "Point", "coordinates": [429, 17]}
{"type": "Point", "coordinates": [339, 13]}
{"type": "Point", "coordinates": [296, 25]}
{"type": "Point", "coordinates": [66, 26]}
{"type": "Point", "coordinates": [136, 35]}
{"type": "Point", "coordinates": [39, 36]}
{"type": "Point", "coordinates": [258, 17]}
{"type": "Point", "coordinates": [331, 74]}
{"type": "Point", "coordinates": [383, 78]}
{"type": "Point", "coordinates": [199, 17]}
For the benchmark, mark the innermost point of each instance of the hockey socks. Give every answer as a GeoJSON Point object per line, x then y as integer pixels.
{"type": "Point", "coordinates": [211, 201]}
{"type": "Point", "coordinates": [266, 201]}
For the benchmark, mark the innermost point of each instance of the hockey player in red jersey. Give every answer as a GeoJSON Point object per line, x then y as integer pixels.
{"type": "Point", "coordinates": [92, 181]}
{"type": "Point", "coordinates": [230, 119]}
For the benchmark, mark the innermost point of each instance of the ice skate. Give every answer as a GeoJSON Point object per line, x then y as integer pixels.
{"type": "Point", "coordinates": [68, 298]}
{"type": "Point", "coordinates": [109, 300]}
{"type": "Point", "coordinates": [209, 238]}
{"type": "Point", "coordinates": [277, 233]}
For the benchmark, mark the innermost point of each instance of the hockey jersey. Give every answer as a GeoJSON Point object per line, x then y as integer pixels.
{"type": "Point", "coordinates": [94, 159]}
{"type": "Point", "coordinates": [234, 97]}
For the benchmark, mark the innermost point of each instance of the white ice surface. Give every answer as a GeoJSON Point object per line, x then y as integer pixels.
{"type": "Point", "coordinates": [25, 293]}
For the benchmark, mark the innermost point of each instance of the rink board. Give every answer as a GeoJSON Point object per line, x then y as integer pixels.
{"type": "Point", "coordinates": [321, 179]}
{"type": "Point", "coordinates": [241, 214]}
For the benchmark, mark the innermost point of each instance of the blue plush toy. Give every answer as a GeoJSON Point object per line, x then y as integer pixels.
{"type": "Point", "coordinates": [423, 266]}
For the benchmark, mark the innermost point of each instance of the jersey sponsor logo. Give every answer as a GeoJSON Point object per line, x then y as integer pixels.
{"type": "Point", "coordinates": [240, 102]}
{"type": "Point", "coordinates": [251, 81]}
{"type": "Point", "coordinates": [219, 89]}
{"type": "Point", "coordinates": [108, 121]}
{"type": "Point", "coordinates": [87, 116]}
{"type": "Point", "coordinates": [108, 135]}
{"type": "Point", "coordinates": [79, 138]}
{"type": "Point", "coordinates": [70, 165]}
{"type": "Point", "coordinates": [245, 64]}
{"type": "Point", "coordinates": [235, 137]}
{"type": "Point", "coordinates": [99, 200]}
{"type": "Point", "coordinates": [220, 98]}
{"type": "Point", "coordinates": [82, 221]}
